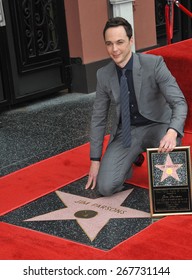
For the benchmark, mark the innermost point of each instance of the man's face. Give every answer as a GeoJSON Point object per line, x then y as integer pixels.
{"type": "Point", "coordinates": [118, 45]}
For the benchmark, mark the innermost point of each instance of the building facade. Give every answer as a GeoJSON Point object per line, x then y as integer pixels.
{"type": "Point", "coordinates": [50, 45]}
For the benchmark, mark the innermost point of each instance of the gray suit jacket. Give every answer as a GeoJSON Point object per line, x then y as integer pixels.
{"type": "Point", "coordinates": [158, 96]}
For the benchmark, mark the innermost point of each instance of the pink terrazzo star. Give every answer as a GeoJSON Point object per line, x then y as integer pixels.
{"type": "Point", "coordinates": [103, 209]}
{"type": "Point", "coordinates": [169, 169]}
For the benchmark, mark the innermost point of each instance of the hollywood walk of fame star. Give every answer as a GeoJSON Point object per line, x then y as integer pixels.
{"type": "Point", "coordinates": [92, 214]}
{"type": "Point", "coordinates": [169, 169]}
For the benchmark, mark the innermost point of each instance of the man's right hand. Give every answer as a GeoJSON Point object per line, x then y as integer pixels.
{"type": "Point", "coordinates": [93, 172]}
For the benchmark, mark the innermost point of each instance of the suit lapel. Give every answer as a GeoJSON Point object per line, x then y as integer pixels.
{"type": "Point", "coordinates": [114, 83]}
{"type": "Point", "coordinates": [137, 75]}
{"type": "Point", "coordinates": [114, 88]}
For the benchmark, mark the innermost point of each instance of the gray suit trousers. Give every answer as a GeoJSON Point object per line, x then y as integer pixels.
{"type": "Point", "coordinates": [116, 164]}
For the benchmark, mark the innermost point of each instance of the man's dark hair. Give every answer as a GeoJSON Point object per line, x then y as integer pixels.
{"type": "Point", "coordinates": [119, 21]}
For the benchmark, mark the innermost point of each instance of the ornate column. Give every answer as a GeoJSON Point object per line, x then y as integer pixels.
{"type": "Point", "coordinates": [124, 8]}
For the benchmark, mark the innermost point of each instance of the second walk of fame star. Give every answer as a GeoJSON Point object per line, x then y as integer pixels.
{"type": "Point", "coordinates": [169, 169]}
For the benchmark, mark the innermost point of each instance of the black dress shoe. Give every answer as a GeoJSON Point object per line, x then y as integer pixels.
{"type": "Point", "coordinates": [139, 160]}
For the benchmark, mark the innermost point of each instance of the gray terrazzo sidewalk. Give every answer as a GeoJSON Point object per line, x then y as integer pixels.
{"type": "Point", "coordinates": [39, 129]}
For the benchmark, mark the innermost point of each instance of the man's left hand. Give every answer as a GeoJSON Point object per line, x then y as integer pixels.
{"type": "Point", "coordinates": [168, 142]}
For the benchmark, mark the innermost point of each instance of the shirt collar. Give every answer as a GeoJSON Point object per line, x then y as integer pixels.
{"type": "Point", "coordinates": [128, 66]}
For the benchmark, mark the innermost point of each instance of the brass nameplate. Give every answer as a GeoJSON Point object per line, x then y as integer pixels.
{"type": "Point", "coordinates": [170, 182]}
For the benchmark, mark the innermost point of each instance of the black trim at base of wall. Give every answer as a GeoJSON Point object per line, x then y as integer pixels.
{"type": "Point", "coordinates": [84, 76]}
{"type": "Point", "coordinates": [148, 49]}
